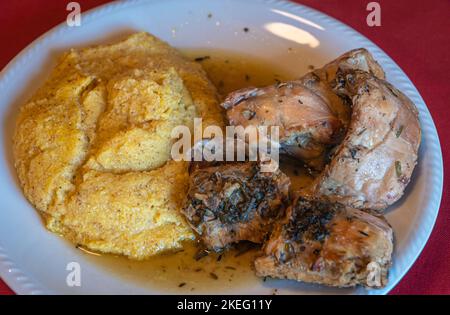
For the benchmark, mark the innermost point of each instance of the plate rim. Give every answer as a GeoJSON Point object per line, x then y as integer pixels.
{"type": "Point", "coordinates": [21, 283]}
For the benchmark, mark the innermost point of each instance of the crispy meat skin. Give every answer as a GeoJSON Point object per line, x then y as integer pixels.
{"type": "Point", "coordinates": [330, 244]}
{"type": "Point", "coordinates": [232, 202]}
{"type": "Point", "coordinates": [372, 166]}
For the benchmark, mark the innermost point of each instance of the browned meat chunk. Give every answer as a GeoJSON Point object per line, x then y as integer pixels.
{"type": "Point", "coordinates": [328, 244]}
{"type": "Point", "coordinates": [233, 202]}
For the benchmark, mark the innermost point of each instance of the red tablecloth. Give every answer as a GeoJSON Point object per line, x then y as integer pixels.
{"type": "Point", "coordinates": [415, 33]}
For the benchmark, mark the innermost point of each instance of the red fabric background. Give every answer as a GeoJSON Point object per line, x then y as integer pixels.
{"type": "Point", "coordinates": [415, 33]}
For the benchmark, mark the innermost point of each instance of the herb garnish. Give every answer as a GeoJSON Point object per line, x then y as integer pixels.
{"type": "Point", "coordinates": [398, 168]}
{"type": "Point", "coordinates": [399, 131]}
{"type": "Point", "coordinates": [213, 275]}
{"type": "Point", "coordinates": [200, 59]}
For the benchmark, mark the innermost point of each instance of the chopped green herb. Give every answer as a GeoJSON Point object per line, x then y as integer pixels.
{"type": "Point", "coordinates": [199, 59]}
{"type": "Point", "coordinates": [398, 168]}
{"type": "Point", "coordinates": [362, 131]}
{"type": "Point", "coordinates": [399, 131]}
{"type": "Point", "coordinates": [213, 275]}
{"type": "Point", "coordinates": [230, 267]}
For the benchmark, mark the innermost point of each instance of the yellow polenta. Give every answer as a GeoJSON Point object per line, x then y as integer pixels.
{"type": "Point", "coordinates": [92, 146]}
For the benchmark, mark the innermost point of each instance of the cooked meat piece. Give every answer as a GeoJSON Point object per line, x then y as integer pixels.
{"type": "Point", "coordinates": [234, 202]}
{"type": "Point", "coordinates": [306, 124]}
{"type": "Point", "coordinates": [328, 244]}
{"type": "Point", "coordinates": [375, 161]}
{"type": "Point", "coordinates": [322, 80]}
{"type": "Point", "coordinates": [310, 115]}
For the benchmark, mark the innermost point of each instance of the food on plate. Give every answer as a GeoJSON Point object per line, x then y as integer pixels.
{"type": "Point", "coordinates": [311, 116]}
{"type": "Point", "coordinates": [344, 120]}
{"type": "Point", "coordinates": [328, 243]}
{"type": "Point", "coordinates": [92, 146]}
{"type": "Point", "coordinates": [92, 151]}
{"type": "Point", "coordinates": [362, 135]}
{"type": "Point", "coordinates": [233, 202]}
{"type": "Point", "coordinates": [372, 166]}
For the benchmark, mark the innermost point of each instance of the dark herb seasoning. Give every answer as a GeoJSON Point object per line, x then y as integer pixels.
{"type": "Point", "coordinates": [362, 131]}
{"type": "Point", "coordinates": [399, 131]}
{"type": "Point", "coordinates": [200, 59]}
{"type": "Point", "coordinates": [398, 168]}
{"type": "Point", "coordinates": [200, 254]}
{"type": "Point", "coordinates": [230, 267]}
{"type": "Point", "coordinates": [393, 90]}
{"type": "Point", "coordinates": [363, 233]}
{"type": "Point", "coordinates": [309, 220]}
{"type": "Point", "coordinates": [213, 275]}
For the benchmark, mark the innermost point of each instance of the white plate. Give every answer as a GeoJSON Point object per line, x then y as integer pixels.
{"type": "Point", "coordinates": [33, 260]}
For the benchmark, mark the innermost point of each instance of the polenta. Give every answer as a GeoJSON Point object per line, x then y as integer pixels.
{"type": "Point", "coordinates": [92, 146]}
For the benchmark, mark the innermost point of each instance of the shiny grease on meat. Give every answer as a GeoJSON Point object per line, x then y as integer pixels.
{"type": "Point", "coordinates": [234, 202]}
{"type": "Point", "coordinates": [330, 244]}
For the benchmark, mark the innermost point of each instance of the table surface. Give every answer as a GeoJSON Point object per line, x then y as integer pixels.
{"type": "Point", "coordinates": [413, 32]}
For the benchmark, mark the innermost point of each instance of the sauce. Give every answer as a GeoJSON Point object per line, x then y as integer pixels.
{"type": "Point", "coordinates": [180, 272]}
{"type": "Point", "coordinates": [230, 71]}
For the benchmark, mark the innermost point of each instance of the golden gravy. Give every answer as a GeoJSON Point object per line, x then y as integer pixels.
{"type": "Point", "coordinates": [231, 71]}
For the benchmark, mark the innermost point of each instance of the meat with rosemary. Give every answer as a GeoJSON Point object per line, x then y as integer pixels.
{"type": "Point", "coordinates": [326, 243]}
{"type": "Point", "coordinates": [233, 202]}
